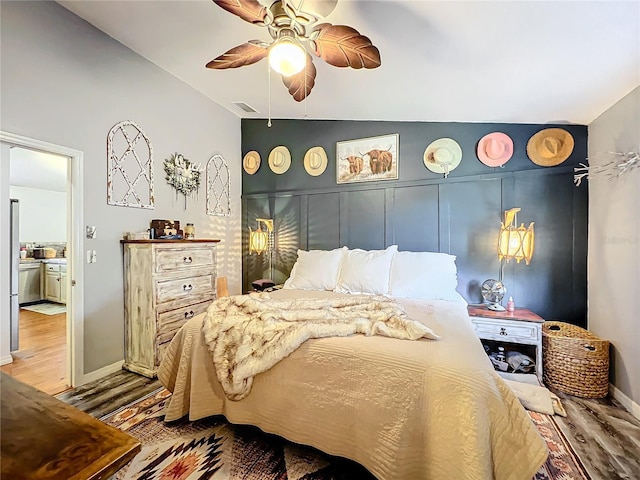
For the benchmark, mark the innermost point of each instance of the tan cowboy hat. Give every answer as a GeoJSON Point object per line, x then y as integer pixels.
{"type": "Point", "coordinates": [550, 147]}
{"type": "Point", "coordinates": [251, 162]}
{"type": "Point", "coordinates": [442, 155]}
{"type": "Point", "coordinates": [495, 149]}
{"type": "Point", "coordinates": [280, 159]}
{"type": "Point", "coordinates": [315, 161]}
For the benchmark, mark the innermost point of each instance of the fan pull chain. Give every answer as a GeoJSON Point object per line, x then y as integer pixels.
{"type": "Point", "coordinates": [306, 94]}
{"type": "Point", "coordinates": [269, 82]}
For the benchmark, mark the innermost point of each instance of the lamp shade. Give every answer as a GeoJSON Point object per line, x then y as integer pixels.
{"type": "Point", "coordinates": [259, 238]}
{"type": "Point", "coordinates": [515, 242]}
{"type": "Point", "coordinates": [287, 56]}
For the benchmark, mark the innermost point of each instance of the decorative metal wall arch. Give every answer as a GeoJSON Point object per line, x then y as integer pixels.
{"type": "Point", "coordinates": [125, 161]}
{"type": "Point", "coordinates": [218, 184]}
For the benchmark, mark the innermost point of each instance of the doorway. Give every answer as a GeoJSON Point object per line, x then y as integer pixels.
{"type": "Point", "coordinates": [45, 179]}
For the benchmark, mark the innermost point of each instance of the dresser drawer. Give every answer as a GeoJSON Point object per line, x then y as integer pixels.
{"type": "Point", "coordinates": [169, 322]}
{"type": "Point", "coordinates": [175, 259]}
{"type": "Point", "coordinates": [496, 330]}
{"type": "Point", "coordinates": [180, 292]}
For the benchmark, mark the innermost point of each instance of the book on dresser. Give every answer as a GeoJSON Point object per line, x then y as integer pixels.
{"type": "Point", "coordinates": [166, 283]}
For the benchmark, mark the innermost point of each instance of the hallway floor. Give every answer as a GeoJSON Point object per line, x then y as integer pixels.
{"type": "Point", "coordinates": [41, 360]}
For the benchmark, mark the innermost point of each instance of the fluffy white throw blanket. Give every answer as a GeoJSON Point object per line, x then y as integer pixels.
{"type": "Point", "coordinates": [248, 334]}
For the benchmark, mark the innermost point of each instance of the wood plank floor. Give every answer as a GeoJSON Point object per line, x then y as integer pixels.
{"type": "Point", "coordinates": [604, 435]}
{"type": "Point", "coordinates": [41, 360]}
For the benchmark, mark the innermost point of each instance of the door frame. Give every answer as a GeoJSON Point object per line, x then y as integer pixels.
{"type": "Point", "coordinates": [75, 275]}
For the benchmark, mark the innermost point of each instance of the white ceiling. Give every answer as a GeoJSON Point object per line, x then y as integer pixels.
{"type": "Point", "coordinates": [467, 61]}
{"type": "Point", "coordinates": [45, 171]}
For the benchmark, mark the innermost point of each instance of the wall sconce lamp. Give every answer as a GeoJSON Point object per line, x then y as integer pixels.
{"type": "Point", "coordinates": [260, 239]}
{"type": "Point", "coordinates": [515, 242]}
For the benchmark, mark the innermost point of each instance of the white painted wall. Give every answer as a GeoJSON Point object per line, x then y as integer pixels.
{"type": "Point", "coordinates": [65, 82]}
{"type": "Point", "coordinates": [43, 214]}
{"type": "Point", "coordinates": [614, 244]}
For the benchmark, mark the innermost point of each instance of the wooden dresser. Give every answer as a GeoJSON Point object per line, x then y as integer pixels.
{"type": "Point", "coordinates": [166, 282]}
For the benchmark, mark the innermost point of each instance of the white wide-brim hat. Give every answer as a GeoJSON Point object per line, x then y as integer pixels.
{"type": "Point", "coordinates": [280, 159]}
{"type": "Point", "coordinates": [495, 149]}
{"type": "Point", "coordinates": [550, 147]}
{"type": "Point", "coordinates": [251, 162]}
{"type": "Point", "coordinates": [442, 155]}
{"type": "Point", "coordinates": [315, 161]}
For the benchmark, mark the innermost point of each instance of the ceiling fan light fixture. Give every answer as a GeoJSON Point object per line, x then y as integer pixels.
{"type": "Point", "coordinates": [287, 57]}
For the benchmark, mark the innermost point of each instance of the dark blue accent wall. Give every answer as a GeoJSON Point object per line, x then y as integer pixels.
{"type": "Point", "coordinates": [423, 211]}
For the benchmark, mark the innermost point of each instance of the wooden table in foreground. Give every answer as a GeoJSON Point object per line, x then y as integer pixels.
{"type": "Point", "coordinates": [44, 438]}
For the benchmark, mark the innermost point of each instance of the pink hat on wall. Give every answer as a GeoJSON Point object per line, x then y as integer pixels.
{"type": "Point", "coordinates": [495, 149]}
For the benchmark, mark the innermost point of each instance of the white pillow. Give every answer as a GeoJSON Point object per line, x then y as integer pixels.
{"type": "Point", "coordinates": [366, 271]}
{"type": "Point", "coordinates": [315, 270]}
{"type": "Point", "coordinates": [428, 275]}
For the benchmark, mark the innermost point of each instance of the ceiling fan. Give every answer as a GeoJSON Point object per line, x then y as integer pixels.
{"type": "Point", "coordinates": [291, 25]}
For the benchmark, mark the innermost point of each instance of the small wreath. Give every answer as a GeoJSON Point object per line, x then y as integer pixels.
{"type": "Point", "coordinates": [182, 174]}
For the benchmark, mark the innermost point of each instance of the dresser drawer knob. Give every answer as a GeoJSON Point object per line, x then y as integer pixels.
{"type": "Point", "coordinates": [187, 288]}
{"type": "Point", "coordinates": [188, 315]}
{"type": "Point", "coordinates": [187, 259]}
{"type": "Point", "coordinates": [503, 331]}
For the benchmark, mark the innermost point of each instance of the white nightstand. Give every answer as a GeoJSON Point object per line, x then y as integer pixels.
{"type": "Point", "coordinates": [521, 327]}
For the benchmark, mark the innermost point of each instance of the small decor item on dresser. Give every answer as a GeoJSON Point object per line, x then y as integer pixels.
{"type": "Point", "coordinates": [189, 231]}
{"type": "Point", "coordinates": [575, 360]}
{"type": "Point", "coordinates": [182, 174]}
{"type": "Point", "coordinates": [166, 229]}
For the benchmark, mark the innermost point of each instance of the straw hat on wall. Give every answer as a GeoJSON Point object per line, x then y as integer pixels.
{"type": "Point", "coordinates": [251, 162]}
{"type": "Point", "coordinates": [315, 161]}
{"type": "Point", "coordinates": [550, 147]}
{"type": "Point", "coordinates": [442, 155]}
{"type": "Point", "coordinates": [280, 159]}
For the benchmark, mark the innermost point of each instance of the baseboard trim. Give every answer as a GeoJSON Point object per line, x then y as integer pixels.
{"type": "Point", "coordinates": [101, 372]}
{"type": "Point", "coordinates": [632, 407]}
{"type": "Point", "coordinates": [7, 359]}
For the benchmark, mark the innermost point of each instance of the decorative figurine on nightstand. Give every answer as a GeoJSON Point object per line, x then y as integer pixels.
{"type": "Point", "coordinates": [493, 292]}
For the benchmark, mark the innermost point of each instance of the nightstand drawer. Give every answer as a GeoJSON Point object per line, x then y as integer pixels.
{"type": "Point", "coordinates": [494, 330]}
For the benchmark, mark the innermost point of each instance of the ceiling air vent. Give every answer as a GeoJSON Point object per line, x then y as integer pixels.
{"type": "Point", "coordinates": [245, 107]}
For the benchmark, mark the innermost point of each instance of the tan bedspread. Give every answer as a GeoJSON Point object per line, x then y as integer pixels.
{"type": "Point", "coordinates": [249, 334]}
{"type": "Point", "coordinates": [406, 410]}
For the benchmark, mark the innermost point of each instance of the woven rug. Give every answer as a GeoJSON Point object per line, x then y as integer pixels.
{"type": "Point", "coordinates": [46, 308]}
{"type": "Point", "coordinates": [213, 449]}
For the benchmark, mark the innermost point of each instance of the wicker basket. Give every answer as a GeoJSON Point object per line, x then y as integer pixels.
{"type": "Point", "coordinates": [575, 361]}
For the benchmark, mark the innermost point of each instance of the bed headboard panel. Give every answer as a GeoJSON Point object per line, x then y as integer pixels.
{"type": "Point", "coordinates": [422, 211]}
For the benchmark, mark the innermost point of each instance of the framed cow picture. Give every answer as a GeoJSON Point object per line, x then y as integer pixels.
{"type": "Point", "coordinates": [367, 159]}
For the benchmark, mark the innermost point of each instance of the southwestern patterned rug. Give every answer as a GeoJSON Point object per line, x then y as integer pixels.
{"type": "Point", "coordinates": [214, 449]}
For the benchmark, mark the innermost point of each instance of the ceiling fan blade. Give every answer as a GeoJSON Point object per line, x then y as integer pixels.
{"type": "Point", "coordinates": [301, 84]}
{"type": "Point", "coordinates": [249, 10]}
{"type": "Point", "coordinates": [343, 46]}
{"type": "Point", "coordinates": [245, 54]}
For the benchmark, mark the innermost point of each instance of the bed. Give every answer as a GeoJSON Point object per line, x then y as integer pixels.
{"type": "Point", "coordinates": [425, 409]}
